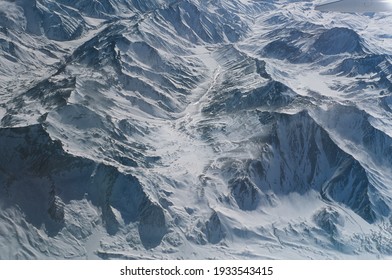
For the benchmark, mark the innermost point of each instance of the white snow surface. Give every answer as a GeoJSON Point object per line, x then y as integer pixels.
{"type": "Point", "coordinates": [194, 129]}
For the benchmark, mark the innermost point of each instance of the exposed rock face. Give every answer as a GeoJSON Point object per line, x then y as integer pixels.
{"type": "Point", "coordinates": [245, 193]}
{"type": "Point", "coordinates": [193, 129]}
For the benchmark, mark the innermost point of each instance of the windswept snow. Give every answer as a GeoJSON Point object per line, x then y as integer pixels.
{"type": "Point", "coordinates": [194, 129]}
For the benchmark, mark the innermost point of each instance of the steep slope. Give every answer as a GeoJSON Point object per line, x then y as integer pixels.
{"type": "Point", "coordinates": [193, 129]}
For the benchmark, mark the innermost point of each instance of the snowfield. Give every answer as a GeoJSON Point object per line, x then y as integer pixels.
{"type": "Point", "coordinates": [194, 129]}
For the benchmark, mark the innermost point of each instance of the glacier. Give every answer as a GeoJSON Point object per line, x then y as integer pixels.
{"type": "Point", "coordinates": [194, 129]}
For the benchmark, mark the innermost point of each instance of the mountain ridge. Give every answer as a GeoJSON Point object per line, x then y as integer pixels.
{"type": "Point", "coordinates": [180, 129]}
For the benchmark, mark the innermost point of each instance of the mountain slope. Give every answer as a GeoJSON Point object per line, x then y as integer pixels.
{"type": "Point", "coordinates": [193, 129]}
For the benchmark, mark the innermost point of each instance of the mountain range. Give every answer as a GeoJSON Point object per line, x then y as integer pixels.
{"type": "Point", "coordinates": [194, 129]}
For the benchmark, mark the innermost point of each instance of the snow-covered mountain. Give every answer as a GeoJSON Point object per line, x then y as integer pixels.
{"type": "Point", "coordinates": [194, 129]}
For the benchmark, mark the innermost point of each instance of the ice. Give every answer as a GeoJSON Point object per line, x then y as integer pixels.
{"type": "Point", "coordinates": [194, 129]}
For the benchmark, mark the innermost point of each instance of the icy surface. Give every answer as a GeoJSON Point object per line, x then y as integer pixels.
{"type": "Point", "coordinates": [194, 129]}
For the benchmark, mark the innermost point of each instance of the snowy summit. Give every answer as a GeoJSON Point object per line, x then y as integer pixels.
{"type": "Point", "coordinates": [194, 129]}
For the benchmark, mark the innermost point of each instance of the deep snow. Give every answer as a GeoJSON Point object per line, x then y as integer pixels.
{"type": "Point", "coordinates": [194, 129]}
